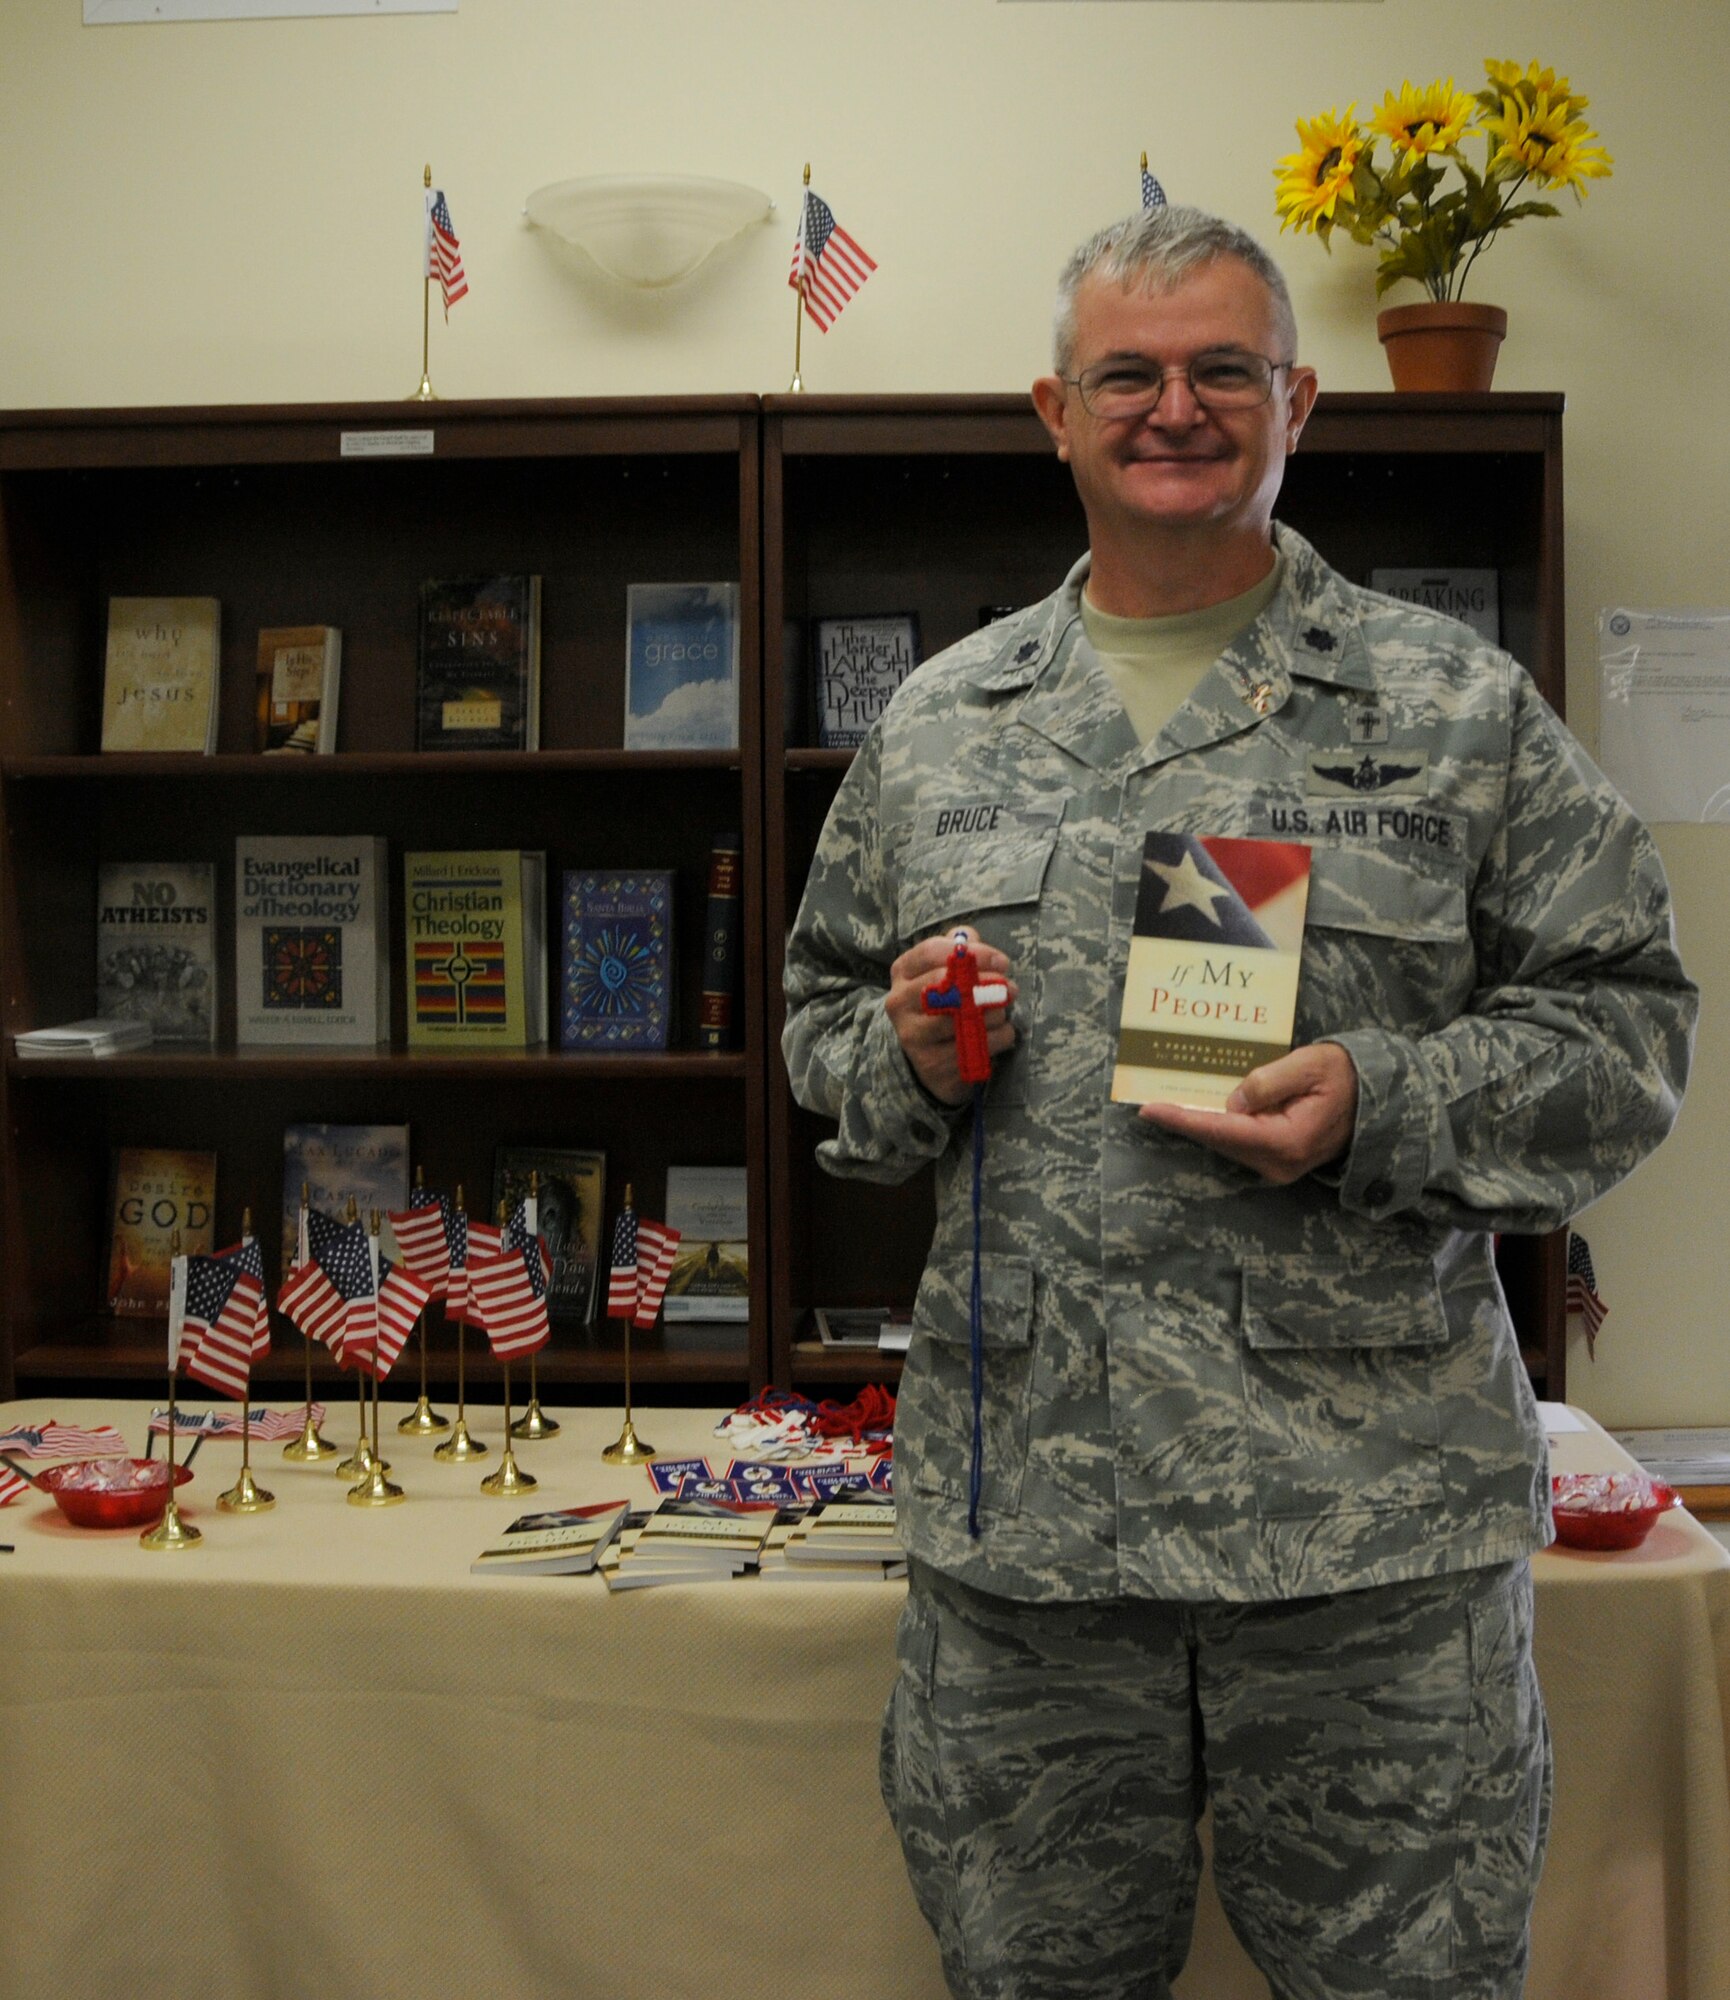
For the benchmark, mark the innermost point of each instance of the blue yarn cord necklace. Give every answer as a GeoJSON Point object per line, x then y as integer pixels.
{"type": "Point", "coordinates": [976, 1319]}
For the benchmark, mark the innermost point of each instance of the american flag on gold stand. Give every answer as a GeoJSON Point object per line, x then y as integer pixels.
{"type": "Point", "coordinates": [227, 1318]}
{"type": "Point", "coordinates": [828, 266]}
{"type": "Point", "coordinates": [444, 256]}
{"type": "Point", "coordinates": [1582, 1292]}
{"type": "Point", "coordinates": [510, 1290]}
{"type": "Point", "coordinates": [401, 1300]}
{"type": "Point", "coordinates": [642, 1263]}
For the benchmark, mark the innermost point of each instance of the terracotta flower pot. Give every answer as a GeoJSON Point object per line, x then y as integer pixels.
{"type": "Point", "coordinates": [1441, 346]}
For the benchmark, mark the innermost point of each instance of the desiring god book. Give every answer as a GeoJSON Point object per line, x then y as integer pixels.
{"type": "Point", "coordinates": [1211, 991]}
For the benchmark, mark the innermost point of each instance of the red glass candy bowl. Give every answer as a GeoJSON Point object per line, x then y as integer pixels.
{"type": "Point", "coordinates": [112, 1507]}
{"type": "Point", "coordinates": [1608, 1510]}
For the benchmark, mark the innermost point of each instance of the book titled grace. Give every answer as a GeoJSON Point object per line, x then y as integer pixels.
{"type": "Point", "coordinates": [616, 969]}
{"type": "Point", "coordinates": [1211, 991]}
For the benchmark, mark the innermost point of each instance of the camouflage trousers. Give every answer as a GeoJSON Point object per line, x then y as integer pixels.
{"type": "Point", "coordinates": [1377, 1764]}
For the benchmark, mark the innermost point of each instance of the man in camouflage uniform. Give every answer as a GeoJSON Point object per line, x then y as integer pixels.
{"type": "Point", "coordinates": [1261, 1466]}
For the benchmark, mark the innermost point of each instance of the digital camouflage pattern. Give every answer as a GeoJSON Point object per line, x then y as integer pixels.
{"type": "Point", "coordinates": [1377, 1766]}
{"type": "Point", "coordinates": [1198, 1385]}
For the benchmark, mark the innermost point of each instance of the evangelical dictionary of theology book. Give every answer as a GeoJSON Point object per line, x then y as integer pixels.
{"type": "Point", "coordinates": [311, 944]}
{"type": "Point", "coordinates": [1211, 991]}
{"type": "Point", "coordinates": [156, 947]}
{"type": "Point", "coordinates": [474, 929]}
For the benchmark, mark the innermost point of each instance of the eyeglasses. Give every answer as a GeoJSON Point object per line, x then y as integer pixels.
{"type": "Point", "coordinates": [1223, 380]}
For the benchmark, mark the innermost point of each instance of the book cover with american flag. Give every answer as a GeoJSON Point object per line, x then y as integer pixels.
{"type": "Point", "coordinates": [475, 935]}
{"type": "Point", "coordinates": [1211, 991]}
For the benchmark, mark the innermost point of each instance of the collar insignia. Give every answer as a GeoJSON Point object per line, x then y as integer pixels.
{"type": "Point", "coordinates": [1318, 640]}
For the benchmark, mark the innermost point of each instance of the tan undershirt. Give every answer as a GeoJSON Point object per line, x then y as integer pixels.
{"type": "Point", "coordinates": [1156, 664]}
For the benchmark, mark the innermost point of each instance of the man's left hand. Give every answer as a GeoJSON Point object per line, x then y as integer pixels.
{"type": "Point", "coordinates": [1283, 1120]}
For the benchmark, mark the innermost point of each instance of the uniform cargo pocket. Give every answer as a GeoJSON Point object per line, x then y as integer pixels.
{"type": "Point", "coordinates": [1337, 1383]}
{"type": "Point", "coordinates": [934, 1410]}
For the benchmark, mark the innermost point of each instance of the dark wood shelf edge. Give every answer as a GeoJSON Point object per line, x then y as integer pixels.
{"type": "Point", "coordinates": [140, 1363]}
{"type": "Point", "coordinates": [687, 1065]}
{"type": "Point", "coordinates": [827, 1366]}
{"type": "Point", "coordinates": [359, 764]}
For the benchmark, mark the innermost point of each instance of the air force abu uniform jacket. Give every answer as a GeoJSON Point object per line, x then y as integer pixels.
{"type": "Point", "coordinates": [1198, 1385]}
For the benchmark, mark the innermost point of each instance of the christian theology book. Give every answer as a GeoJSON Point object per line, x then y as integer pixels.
{"type": "Point", "coordinates": [1211, 991]}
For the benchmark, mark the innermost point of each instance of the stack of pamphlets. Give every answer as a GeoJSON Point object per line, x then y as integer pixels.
{"type": "Point", "coordinates": [691, 1541]}
{"type": "Point", "coordinates": [1681, 1457]}
{"type": "Point", "coordinates": [563, 1541]}
{"type": "Point", "coordinates": [849, 1537]}
{"type": "Point", "coordinates": [87, 1038]}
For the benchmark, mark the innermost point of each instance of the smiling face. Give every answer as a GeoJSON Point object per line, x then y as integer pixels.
{"type": "Point", "coordinates": [1179, 470]}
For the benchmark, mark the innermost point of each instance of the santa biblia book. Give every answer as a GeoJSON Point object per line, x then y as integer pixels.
{"type": "Point", "coordinates": [1211, 990]}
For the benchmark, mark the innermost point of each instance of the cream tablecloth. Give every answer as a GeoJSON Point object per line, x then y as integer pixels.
{"type": "Point", "coordinates": [317, 1754]}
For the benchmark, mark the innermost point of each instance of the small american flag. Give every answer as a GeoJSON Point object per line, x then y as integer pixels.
{"type": "Point", "coordinates": [11, 1485]}
{"type": "Point", "coordinates": [224, 1304]}
{"type": "Point", "coordinates": [444, 256]}
{"type": "Point", "coordinates": [1582, 1292]}
{"type": "Point", "coordinates": [329, 1296]}
{"type": "Point", "coordinates": [479, 1241]}
{"type": "Point", "coordinates": [1152, 194]}
{"type": "Point", "coordinates": [510, 1290]}
{"type": "Point", "coordinates": [402, 1298]}
{"type": "Point", "coordinates": [265, 1424]}
{"type": "Point", "coordinates": [828, 266]}
{"type": "Point", "coordinates": [52, 1440]}
{"type": "Point", "coordinates": [622, 1275]}
{"type": "Point", "coordinates": [425, 1235]}
{"type": "Point", "coordinates": [656, 1244]}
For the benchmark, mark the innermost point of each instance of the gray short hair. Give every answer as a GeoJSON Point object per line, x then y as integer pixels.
{"type": "Point", "coordinates": [1154, 250]}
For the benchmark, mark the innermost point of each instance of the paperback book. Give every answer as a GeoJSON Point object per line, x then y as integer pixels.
{"type": "Point", "coordinates": [571, 1187]}
{"type": "Point", "coordinates": [859, 664]}
{"type": "Point", "coordinates": [478, 685]}
{"type": "Point", "coordinates": [616, 965]}
{"type": "Point", "coordinates": [299, 679]}
{"type": "Point", "coordinates": [566, 1541]}
{"type": "Point", "coordinates": [711, 1274]}
{"type": "Point", "coordinates": [1469, 595]}
{"type": "Point", "coordinates": [475, 937]}
{"type": "Point", "coordinates": [1211, 990]}
{"type": "Point", "coordinates": [682, 666]}
{"type": "Point", "coordinates": [93, 1038]}
{"type": "Point", "coordinates": [333, 1162]}
{"type": "Point", "coordinates": [311, 940]}
{"type": "Point", "coordinates": [154, 1192]}
{"type": "Point", "coordinates": [156, 948]}
{"type": "Point", "coordinates": [159, 684]}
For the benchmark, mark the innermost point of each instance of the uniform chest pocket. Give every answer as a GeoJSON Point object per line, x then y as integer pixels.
{"type": "Point", "coordinates": [984, 866]}
{"type": "Point", "coordinates": [1387, 940]}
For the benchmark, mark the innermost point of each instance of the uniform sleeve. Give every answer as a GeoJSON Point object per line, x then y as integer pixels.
{"type": "Point", "coordinates": [1568, 1065]}
{"type": "Point", "coordinates": [841, 1049]}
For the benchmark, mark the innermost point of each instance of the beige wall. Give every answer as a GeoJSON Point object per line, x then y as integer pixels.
{"type": "Point", "coordinates": [230, 212]}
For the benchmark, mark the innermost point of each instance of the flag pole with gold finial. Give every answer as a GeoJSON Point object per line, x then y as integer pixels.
{"type": "Point", "coordinates": [627, 1448]}
{"type": "Point", "coordinates": [171, 1532]}
{"type": "Point", "coordinates": [309, 1445]}
{"type": "Point", "coordinates": [359, 1463]}
{"type": "Point", "coordinates": [374, 1488]}
{"type": "Point", "coordinates": [459, 1445]}
{"type": "Point", "coordinates": [246, 1496]}
{"type": "Point", "coordinates": [797, 382]}
{"type": "Point", "coordinates": [509, 1478]}
{"type": "Point", "coordinates": [426, 393]}
{"type": "Point", "coordinates": [534, 1423]}
{"type": "Point", "coordinates": [423, 1420]}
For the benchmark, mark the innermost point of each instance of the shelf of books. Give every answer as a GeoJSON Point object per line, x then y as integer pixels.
{"type": "Point", "coordinates": [895, 526]}
{"type": "Point", "coordinates": [399, 768]}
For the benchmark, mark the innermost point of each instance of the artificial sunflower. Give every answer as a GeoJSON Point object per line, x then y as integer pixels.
{"type": "Point", "coordinates": [1544, 140]}
{"type": "Point", "coordinates": [1418, 122]}
{"type": "Point", "coordinates": [1425, 205]}
{"type": "Point", "coordinates": [1315, 179]}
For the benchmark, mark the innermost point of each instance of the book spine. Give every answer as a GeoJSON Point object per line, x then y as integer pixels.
{"type": "Point", "coordinates": [716, 1023]}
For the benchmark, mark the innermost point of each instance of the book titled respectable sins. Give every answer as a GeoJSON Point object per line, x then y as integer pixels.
{"type": "Point", "coordinates": [1211, 990]}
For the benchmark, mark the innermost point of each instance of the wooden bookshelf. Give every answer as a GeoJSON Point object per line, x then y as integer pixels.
{"type": "Point", "coordinates": [945, 504]}
{"type": "Point", "coordinates": [261, 509]}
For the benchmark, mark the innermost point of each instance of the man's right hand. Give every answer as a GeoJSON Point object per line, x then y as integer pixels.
{"type": "Point", "coordinates": [929, 1039]}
